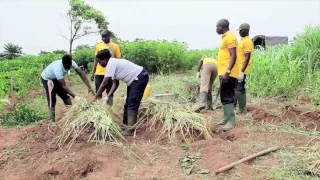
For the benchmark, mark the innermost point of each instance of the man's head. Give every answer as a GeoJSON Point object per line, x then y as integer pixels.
{"type": "Point", "coordinates": [67, 61]}
{"type": "Point", "coordinates": [222, 26]}
{"type": "Point", "coordinates": [103, 57]}
{"type": "Point", "coordinates": [106, 36]}
{"type": "Point", "coordinates": [244, 29]}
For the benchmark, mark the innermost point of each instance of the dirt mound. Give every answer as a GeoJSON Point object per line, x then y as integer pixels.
{"type": "Point", "coordinates": [310, 118]}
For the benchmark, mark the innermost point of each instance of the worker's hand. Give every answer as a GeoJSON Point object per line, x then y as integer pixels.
{"type": "Point", "coordinates": [225, 77]}
{"type": "Point", "coordinates": [240, 77]}
{"type": "Point", "coordinates": [77, 98]}
{"type": "Point", "coordinates": [93, 100]}
{"type": "Point", "coordinates": [198, 75]}
{"type": "Point", "coordinates": [92, 77]}
{"type": "Point", "coordinates": [90, 90]}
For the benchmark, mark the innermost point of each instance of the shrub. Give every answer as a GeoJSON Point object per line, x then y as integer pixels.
{"type": "Point", "coordinates": [21, 115]}
{"type": "Point", "coordinates": [83, 57]}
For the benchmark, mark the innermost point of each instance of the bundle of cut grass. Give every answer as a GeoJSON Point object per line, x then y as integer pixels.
{"type": "Point", "coordinates": [84, 116]}
{"type": "Point", "coordinates": [315, 168]}
{"type": "Point", "coordinates": [174, 119]}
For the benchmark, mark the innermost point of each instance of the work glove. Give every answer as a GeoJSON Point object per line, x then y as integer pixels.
{"type": "Point", "coordinates": [198, 75]}
{"type": "Point", "coordinates": [77, 98]}
{"type": "Point", "coordinates": [240, 77]}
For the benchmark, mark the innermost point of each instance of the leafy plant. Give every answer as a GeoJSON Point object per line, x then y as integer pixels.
{"type": "Point", "coordinates": [20, 115]}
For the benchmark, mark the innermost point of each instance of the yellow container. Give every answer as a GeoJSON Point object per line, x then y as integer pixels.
{"type": "Point", "coordinates": [146, 93]}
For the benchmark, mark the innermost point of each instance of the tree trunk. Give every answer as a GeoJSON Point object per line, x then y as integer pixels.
{"type": "Point", "coordinates": [70, 47]}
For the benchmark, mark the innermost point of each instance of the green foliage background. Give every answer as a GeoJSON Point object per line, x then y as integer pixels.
{"type": "Point", "coordinates": [290, 70]}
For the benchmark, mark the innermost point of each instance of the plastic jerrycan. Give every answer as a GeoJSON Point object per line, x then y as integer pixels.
{"type": "Point", "coordinates": [146, 93]}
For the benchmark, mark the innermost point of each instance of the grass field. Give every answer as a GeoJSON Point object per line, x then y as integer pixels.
{"type": "Point", "coordinates": [293, 125]}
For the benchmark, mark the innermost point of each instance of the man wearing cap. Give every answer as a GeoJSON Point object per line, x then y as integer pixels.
{"type": "Point", "coordinates": [228, 72]}
{"type": "Point", "coordinates": [244, 61]}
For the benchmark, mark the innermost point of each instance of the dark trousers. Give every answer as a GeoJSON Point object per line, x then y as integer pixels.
{"type": "Point", "coordinates": [240, 88]}
{"type": "Point", "coordinates": [98, 80]}
{"type": "Point", "coordinates": [57, 89]}
{"type": "Point", "coordinates": [227, 91]}
{"type": "Point", "coordinates": [135, 93]}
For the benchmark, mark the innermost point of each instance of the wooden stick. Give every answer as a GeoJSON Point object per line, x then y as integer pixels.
{"type": "Point", "coordinates": [230, 166]}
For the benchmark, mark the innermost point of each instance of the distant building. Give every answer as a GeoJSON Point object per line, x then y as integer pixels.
{"type": "Point", "coordinates": [265, 41]}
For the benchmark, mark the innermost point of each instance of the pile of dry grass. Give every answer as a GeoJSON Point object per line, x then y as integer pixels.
{"type": "Point", "coordinates": [175, 118]}
{"type": "Point", "coordinates": [83, 117]}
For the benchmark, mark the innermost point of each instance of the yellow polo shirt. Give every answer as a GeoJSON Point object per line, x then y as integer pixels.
{"type": "Point", "coordinates": [207, 60]}
{"type": "Point", "coordinates": [114, 50]}
{"type": "Point", "coordinates": [229, 40]}
{"type": "Point", "coordinates": [245, 46]}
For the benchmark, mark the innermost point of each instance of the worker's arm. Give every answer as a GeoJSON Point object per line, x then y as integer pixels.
{"type": "Point", "coordinates": [233, 57]}
{"type": "Point", "coordinates": [246, 61]}
{"type": "Point", "coordinates": [102, 87]}
{"type": "Point", "coordinates": [115, 85]}
{"type": "Point", "coordinates": [64, 86]}
{"type": "Point", "coordinates": [117, 53]}
{"type": "Point", "coordinates": [247, 47]}
{"type": "Point", "coordinates": [200, 65]}
{"type": "Point", "coordinates": [95, 63]}
{"type": "Point", "coordinates": [84, 79]}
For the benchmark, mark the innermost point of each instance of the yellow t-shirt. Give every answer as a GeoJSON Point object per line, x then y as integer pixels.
{"type": "Point", "coordinates": [114, 50]}
{"type": "Point", "coordinates": [245, 46]}
{"type": "Point", "coordinates": [229, 40]}
{"type": "Point", "coordinates": [207, 60]}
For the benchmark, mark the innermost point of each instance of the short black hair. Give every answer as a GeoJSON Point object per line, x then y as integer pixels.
{"type": "Point", "coordinates": [104, 54]}
{"type": "Point", "coordinates": [106, 32]}
{"type": "Point", "coordinates": [224, 23]}
{"type": "Point", "coordinates": [67, 61]}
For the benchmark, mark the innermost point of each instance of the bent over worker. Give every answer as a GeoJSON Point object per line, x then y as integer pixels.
{"type": "Point", "coordinates": [228, 72]}
{"type": "Point", "coordinates": [244, 61]}
{"type": "Point", "coordinates": [136, 78]}
{"type": "Point", "coordinates": [54, 84]}
{"type": "Point", "coordinates": [98, 71]}
{"type": "Point", "coordinates": [209, 74]}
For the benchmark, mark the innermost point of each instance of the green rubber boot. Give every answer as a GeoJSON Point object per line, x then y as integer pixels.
{"type": "Point", "coordinates": [209, 101]}
{"type": "Point", "coordinates": [203, 101]}
{"type": "Point", "coordinates": [110, 101]}
{"type": "Point", "coordinates": [242, 99]}
{"type": "Point", "coordinates": [132, 120]}
{"type": "Point", "coordinates": [68, 102]}
{"type": "Point", "coordinates": [52, 114]}
{"type": "Point", "coordinates": [229, 117]}
{"type": "Point", "coordinates": [225, 115]}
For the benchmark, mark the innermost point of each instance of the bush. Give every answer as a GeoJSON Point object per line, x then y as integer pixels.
{"type": "Point", "coordinates": [83, 57]}
{"type": "Point", "coordinates": [155, 56]}
{"type": "Point", "coordinates": [21, 115]}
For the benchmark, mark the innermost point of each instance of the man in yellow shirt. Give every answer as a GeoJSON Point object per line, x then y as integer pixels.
{"type": "Point", "coordinates": [98, 71]}
{"type": "Point", "coordinates": [228, 72]}
{"type": "Point", "coordinates": [244, 61]}
{"type": "Point", "coordinates": [209, 74]}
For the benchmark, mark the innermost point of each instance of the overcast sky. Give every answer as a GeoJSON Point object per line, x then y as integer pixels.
{"type": "Point", "coordinates": [35, 24]}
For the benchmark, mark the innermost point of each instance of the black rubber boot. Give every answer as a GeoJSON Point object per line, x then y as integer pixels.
{"type": "Point", "coordinates": [68, 102]}
{"type": "Point", "coordinates": [110, 101]}
{"type": "Point", "coordinates": [203, 101]}
{"type": "Point", "coordinates": [132, 120]}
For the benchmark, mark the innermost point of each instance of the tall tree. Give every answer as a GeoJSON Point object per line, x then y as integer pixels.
{"type": "Point", "coordinates": [81, 18]}
{"type": "Point", "coordinates": [11, 51]}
